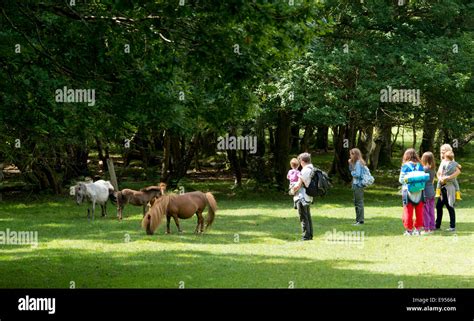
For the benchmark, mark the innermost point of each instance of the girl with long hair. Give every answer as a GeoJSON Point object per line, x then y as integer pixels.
{"type": "Point", "coordinates": [411, 200]}
{"type": "Point", "coordinates": [356, 166]}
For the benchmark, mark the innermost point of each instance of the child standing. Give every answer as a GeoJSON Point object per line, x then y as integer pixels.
{"type": "Point", "coordinates": [356, 164]}
{"type": "Point", "coordinates": [411, 200]}
{"type": "Point", "coordinates": [429, 165]}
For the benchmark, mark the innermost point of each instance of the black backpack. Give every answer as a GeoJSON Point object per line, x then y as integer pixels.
{"type": "Point", "coordinates": [320, 183]}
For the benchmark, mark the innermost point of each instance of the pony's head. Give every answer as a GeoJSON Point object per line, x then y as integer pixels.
{"type": "Point", "coordinates": [80, 191]}
{"type": "Point", "coordinates": [113, 197]}
{"type": "Point", "coordinates": [154, 216]}
{"type": "Point", "coordinates": [151, 202]}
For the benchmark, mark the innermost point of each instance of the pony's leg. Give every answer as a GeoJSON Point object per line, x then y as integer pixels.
{"type": "Point", "coordinates": [200, 222]}
{"type": "Point", "coordinates": [119, 212]}
{"type": "Point", "coordinates": [93, 210]}
{"type": "Point", "coordinates": [176, 221]}
{"type": "Point", "coordinates": [197, 226]}
{"type": "Point", "coordinates": [88, 213]}
{"type": "Point", "coordinates": [102, 210]}
{"type": "Point", "coordinates": [168, 221]}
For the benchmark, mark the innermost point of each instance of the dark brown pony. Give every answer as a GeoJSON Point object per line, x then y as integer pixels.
{"type": "Point", "coordinates": [180, 206]}
{"type": "Point", "coordinates": [138, 198]}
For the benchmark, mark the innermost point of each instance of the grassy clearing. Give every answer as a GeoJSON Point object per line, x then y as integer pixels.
{"type": "Point", "coordinates": [253, 244]}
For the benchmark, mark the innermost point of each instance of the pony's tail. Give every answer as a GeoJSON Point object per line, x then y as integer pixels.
{"type": "Point", "coordinates": [211, 212]}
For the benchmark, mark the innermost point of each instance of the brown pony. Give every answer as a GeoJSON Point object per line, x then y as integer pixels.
{"type": "Point", "coordinates": [138, 198]}
{"type": "Point", "coordinates": [180, 206]}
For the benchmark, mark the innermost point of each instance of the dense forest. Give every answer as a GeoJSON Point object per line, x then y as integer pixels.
{"type": "Point", "coordinates": [169, 78]}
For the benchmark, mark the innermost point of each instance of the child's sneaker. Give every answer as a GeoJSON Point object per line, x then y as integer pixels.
{"type": "Point", "coordinates": [438, 192]}
{"type": "Point", "coordinates": [458, 196]}
{"type": "Point", "coordinates": [407, 233]}
{"type": "Point", "coordinates": [451, 229]}
{"type": "Point", "coordinates": [416, 233]}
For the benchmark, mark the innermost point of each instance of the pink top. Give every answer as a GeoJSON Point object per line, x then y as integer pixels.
{"type": "Point", "coordinates": [293, 175]}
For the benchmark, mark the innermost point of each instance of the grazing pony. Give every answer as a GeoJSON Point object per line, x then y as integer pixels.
{"type": "Point", "coordinates": [97, 192]}
{"type": "Point", "coordinates": [138, 198]}
{"type": "Point", "coordinates": [180, 206]}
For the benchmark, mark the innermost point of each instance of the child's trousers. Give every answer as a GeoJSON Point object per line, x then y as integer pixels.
{"type": "Point", "coordinates": [408, 216]}
{"type": "Point", "coordinates": [428, 214]}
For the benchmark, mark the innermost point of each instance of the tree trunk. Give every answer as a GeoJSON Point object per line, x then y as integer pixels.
{"type": "Point", "coordinates": [414, 135]}
{"type": "Point", "coordinates": [394, 140]}
{"type": "Point", "coordinates": [235, 166]}
{"type": "Point", "coordinates": [100, 151]}
{"type": "Point", "coordinates": [257, 167]}
{"type": "Point", "coordinates": [165, 167]}
{"type": "Point", "coordinates": [282, 148]}
{"type": "Point", "coordinates": [305, 140]}
{"type": "Point", "coordinates": [175, 150]}
{"type": "Point", "coordinates": [234, 161]}
{"type": "Point", "coordinates": [207, 144]}
{"type": "Point", "coordinates": [429, 133]}
{"type": "Point", "coordinates": [47, 178]}
{"type": "Point", "coordinates": [76, 163]}
{"type": "Point", "coordinates": [271, 137]}
{"type": "Point", "coordinates": [365, 142]}
{"type": "Point", "coordinates": [322, 138]}
{"type": "Point", "coordinates": [381, 154]}
{"type": "Point", "coordinates": [295, 139]}
{"type": "Point", "coordinates": [181, 165]}
{"type": "Point", "coordinates": [340, 165]}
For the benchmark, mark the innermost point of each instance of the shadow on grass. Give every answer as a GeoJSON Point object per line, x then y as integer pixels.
{"type": "Point", "coordinates": [255, 228]}
{"type": "Point", "coordinates": [201, 269]}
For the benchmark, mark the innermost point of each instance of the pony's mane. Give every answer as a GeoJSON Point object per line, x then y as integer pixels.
{"type": "Point", "coordinates": [157, 213]}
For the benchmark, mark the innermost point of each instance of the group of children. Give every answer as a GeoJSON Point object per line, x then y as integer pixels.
{"type": "Point", "coordinates": [421, 201]}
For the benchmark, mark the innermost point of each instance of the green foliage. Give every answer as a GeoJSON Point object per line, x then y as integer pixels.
{"type": "Point", "coordinates": [212, 66]}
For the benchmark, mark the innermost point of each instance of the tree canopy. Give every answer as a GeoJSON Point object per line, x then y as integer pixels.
{"type": "Point", "coordinates": [169, 77]}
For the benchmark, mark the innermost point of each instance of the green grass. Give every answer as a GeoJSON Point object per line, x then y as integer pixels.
{"type": "Point", "coordinates": [268, 253]}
